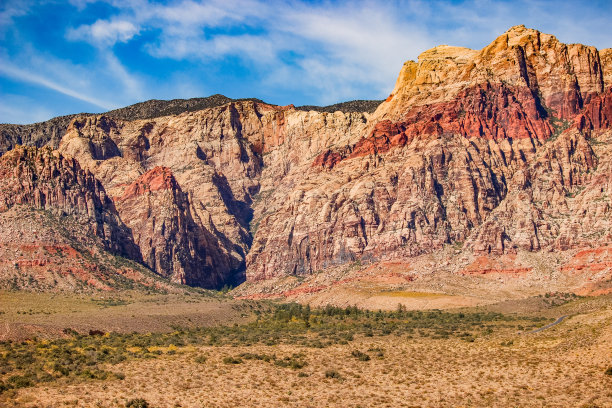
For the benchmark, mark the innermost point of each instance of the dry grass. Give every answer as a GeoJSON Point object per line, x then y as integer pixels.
{"type": "Point", "coordinates": [563, 366]}
{"type": "Point", "coordinates": [24, 315]}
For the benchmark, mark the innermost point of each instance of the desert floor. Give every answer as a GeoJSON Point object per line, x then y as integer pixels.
{"type": "Point", "coordinates": [506, 366]}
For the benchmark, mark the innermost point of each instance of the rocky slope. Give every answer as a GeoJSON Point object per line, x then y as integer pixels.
{"type": "Point", "coordinates": [60, 229]}
{"type": "Point", "coordinates": [497, 153]}
{"type": "Point", "coordinates": [36, 134]}
{"type": "Point", "coordinates": [474, 147]}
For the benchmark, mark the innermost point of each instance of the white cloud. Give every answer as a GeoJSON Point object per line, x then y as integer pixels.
{"type": "Point", "coordinates": [335, 49]}
{"type": "Point", "coordinates": [132, 86]}
{"type": "Point", "coordinates": [322, 51]}
{"type": "Point", "coordinates": [105, 32]}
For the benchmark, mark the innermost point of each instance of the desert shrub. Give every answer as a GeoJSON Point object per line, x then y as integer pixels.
{"type": "Point", "coordinates": [20, 381]}
{"type": "Point", "coordinates": [333, 374]}
{"type": "Point", "coordinates": [360, 355]}
{"type": "Point", "coordinates": [253, 356]}
{"type": "Point", "coordinates": [378, 352]}
{"type": "Point", "coordinates": [137, 403]}
{"type": "Point", "coordinates": [85, 356]}
{"type": "Point", "coordinates": [201, 359]}
{"type": "Point", "coordinates": [295, 362]}
{"type": "Point", "coordinates": [232, 360]}
{"type": "Point", "coordinates": [608, 371]}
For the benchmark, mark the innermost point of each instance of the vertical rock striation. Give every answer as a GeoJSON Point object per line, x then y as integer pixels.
{"type": "Point", "coordinates": [496, 151]}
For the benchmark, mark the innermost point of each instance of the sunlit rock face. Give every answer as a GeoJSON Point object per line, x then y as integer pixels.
{"type": "Point", "coordinates": [497, 150]}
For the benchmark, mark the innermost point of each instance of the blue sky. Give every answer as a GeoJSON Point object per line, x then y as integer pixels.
{"type": "Point", "coordinates": [62, 57]}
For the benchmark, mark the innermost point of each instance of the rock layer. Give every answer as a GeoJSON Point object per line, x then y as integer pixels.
{"type": "Point", "coordinates": [60, 231]}
{"type": "Point", "coordinates": [494, 151]}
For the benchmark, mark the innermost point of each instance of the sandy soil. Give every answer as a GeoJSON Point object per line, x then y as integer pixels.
{"type": "Point", "coordinates": [563, 366]}
{"type": "Point", "coordinates": [26, 315]}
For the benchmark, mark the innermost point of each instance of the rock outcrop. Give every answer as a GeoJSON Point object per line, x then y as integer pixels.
{"type": "Point", "coordinates": [222, 163]}
{"type": "Point", "coordinates": [60, 231]}
{"type": "Point", "coordinates": [489, 148]}
{"type": "Point", "coordinates": [45, 180]}
{"type": "Point", "coordinates": [172, 244]}
{"type": "Point", "coordinates": [496, 151]}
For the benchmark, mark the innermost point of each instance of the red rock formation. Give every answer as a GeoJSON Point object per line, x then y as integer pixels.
{"type": "Point", "coordinates": [46, 180]}
{"type": "Point", "coordinates": [157, 211]}
{"type": "Point", "coordinates": [471, 146]}
{"type": "Point", "coordinates": [160, 178]}
{"type": "Point", "coordinates": [498, 151]}
{"type": "Point", "coordinates": [60, 231]}
{"type": "Point", "coordinates": [597, 114]}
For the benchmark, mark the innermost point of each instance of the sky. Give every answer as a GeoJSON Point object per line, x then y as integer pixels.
{"type": "Point", "coordinates": [63, 57]}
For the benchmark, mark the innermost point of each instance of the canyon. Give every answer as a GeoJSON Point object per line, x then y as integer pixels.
{"type": "Point", "coordinates": [482, 169]}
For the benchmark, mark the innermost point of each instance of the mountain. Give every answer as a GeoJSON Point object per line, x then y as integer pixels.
{"type": "Point", "coordinates": [60, 230]}
{"type": "Point", "coordinates": [497, 158]}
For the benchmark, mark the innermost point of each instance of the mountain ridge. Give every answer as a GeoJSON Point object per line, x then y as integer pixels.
{"type": "Point", "coordinates": [501, 152]}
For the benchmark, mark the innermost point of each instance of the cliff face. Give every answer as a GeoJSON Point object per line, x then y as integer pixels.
{"type": "Point", "coordinates": [171, 243]}
{"type": "Point", "coordinates": [45, 180]}
{"type": "Point", "coordinates": [219, 164]}
{"type": "Point", "coordinates": [59, 229]}
{"type": "Point", "coordinates": [494, 151]}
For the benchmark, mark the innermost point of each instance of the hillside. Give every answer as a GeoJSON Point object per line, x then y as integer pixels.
{"type": "Point", "coordinates": [485, 172]}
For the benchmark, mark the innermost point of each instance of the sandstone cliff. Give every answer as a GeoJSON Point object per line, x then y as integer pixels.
{"type": "Point", "coordinates": [223, 162]}
{"type": "Point", "coordinates": [471, 146]}
{"type": "Point", "coordinates": [59, 229]}
{"type": "Point", "coordinates": [496, 152]}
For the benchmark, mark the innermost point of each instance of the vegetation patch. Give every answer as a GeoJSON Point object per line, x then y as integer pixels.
{"type": "Point", "coordinates": [93, 357]}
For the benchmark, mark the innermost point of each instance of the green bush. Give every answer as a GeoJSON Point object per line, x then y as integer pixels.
{"type": "Point", "coordinates": [295, 361]}
{"type": "Point", "coordinates": [232, 360]}
{"type": "Point", "coordinates": [253, 356]}
{"type": "Point", "coordinates": [608, 371]}
{"type": "Point", "coordinates": [378, 352]}
{"type": "Point", "coordinates": [333, 374]}
{"type": "Point", "coordinates": [20, 381]}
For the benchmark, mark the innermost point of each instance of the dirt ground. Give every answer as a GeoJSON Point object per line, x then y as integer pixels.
{"type": "Point", "coordinates": [25, 315]}
{"type": "Point", "coordinates": [563, 366]}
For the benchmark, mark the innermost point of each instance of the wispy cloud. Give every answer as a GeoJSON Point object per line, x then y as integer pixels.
{"type": "Point", "coordinates": [22, 75]}
{"type": "Point", "coordinates": [290, 51]}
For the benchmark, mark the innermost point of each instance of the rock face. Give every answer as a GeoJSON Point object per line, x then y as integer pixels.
{"type": "Point", "coordinates": [171, 243]}
{"type": "Point", "coordinates": [491, 148]}
{"type": "Point", "coordinates": [37, 134]}
{"type": "Point", "coordinates": [494, 151]}
{"type": "Point", "coordinates": [59, 229]}
{"type": "Point", "coordinates": [45, 180]}
{"type": "Point", "coordinates": [213, 168]}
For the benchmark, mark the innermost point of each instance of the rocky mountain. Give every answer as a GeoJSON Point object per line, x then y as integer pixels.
{"type": "Point", "coordinates": [485, 148]}
{"type": "Point", "coordinates": [495, 152]}
{"type": "Point", "coordinates": [60, 229]}
{"type": "Point", "coordinates": [36, 134]}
